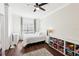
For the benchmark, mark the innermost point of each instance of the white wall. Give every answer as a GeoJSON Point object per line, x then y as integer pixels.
{"type": "Point", "coordinates": [16, 22]}
{"type": "Point", "coordinates": [1, 8]}
{"type": "Point", "coordinates": [0, 31]}
{"type": "Point", "coordinates": [64, 23]}
{"type": "Point", "coordinates": [1, 13]}
{"type": "Point", "coordinates": [2, 26]}
{"type": "Point", "coordinates": [9, 21]}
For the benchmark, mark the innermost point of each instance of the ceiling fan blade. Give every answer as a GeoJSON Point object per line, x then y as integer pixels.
{"type": "Point", "coordinates": [34, 9]}
{"type": "Point", "coordinates": [42, 4]}
{"type": "Point", "coordinates": [42, 8]}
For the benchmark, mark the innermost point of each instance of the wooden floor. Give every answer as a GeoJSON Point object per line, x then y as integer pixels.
{"type": "Point", "coordinates": [0, 52]}
{"type": "Point", "coordinates": [19, 50]}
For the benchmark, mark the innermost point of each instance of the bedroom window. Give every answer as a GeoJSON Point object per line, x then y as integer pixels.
{"type": "Point", "coordinates": [29, 26]}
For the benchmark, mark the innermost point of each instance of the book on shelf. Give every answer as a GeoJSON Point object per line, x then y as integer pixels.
{"type": "Point", "coordinates": [76, 54]}
{"type": "Point", "coordinates": [60, 48]}
{"type": "Point", "coordinates": [77, 49]}
{"type": "Point", "coordinates": [70, 46]}
{"type": "Point", "coordinates": [69, 52]}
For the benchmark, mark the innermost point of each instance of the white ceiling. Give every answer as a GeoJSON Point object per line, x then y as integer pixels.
{"type": "Point", "coordinates": [26, 10]}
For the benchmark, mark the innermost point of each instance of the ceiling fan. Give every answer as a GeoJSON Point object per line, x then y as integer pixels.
{"type": "Point", "coordinates": [39, 6]}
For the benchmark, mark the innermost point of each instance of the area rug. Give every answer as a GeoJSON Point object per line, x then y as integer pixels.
{"type": "Point", "coordinates": [39, 52]}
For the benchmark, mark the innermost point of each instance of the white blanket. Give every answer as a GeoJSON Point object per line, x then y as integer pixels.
{"type": "Point", "coordinates": [32, 38]}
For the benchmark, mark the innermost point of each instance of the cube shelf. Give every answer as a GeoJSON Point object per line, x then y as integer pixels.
{"type": "Point", "coordinates": [69, 52]}
{"type": "Point", "coordinates": [65, 47]}
{"type": "Point", "coordinates": [77, 49]}
{"type": "Point", "coordinates": [57, 44]}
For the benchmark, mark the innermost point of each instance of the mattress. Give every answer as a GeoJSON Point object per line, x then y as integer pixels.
{"type": "Point", "coordinates": [33, 38]}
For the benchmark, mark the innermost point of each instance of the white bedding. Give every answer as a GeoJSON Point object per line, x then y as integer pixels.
{"type": "Point", "coordinates": [29, 35]}
{"type": "Point", "coordinates": [32, 38]}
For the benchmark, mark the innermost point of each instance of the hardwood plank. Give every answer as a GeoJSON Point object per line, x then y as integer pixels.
{"type": "Point", "coordinates": [31, 47]}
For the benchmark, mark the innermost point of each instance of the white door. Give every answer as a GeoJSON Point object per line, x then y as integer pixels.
{"type": "Point", "coordinates": [0, 34]}
{"type": "Point", "coordinates": [1, 30]}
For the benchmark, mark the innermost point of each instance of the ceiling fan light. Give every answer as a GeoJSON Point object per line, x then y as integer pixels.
{"type": "Point", "coordinates": [37, 8]}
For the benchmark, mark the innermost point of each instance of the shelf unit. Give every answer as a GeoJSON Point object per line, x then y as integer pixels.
{"type": "Point", "coordinates": [77, 50]}
{"type": "Point", "coordinates": [69, 50]}
{"type": "Point", "coordinates": [65, 47]}
{"type": "Point", "coordinates": [57, 44]}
